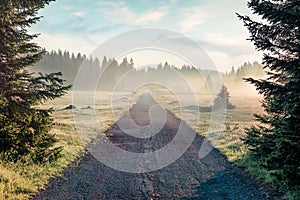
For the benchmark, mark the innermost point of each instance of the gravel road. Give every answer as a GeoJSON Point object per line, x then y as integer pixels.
{"type": "Point", "coordinates": [189, 177]}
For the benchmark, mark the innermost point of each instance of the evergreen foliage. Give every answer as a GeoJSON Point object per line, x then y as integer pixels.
{"type": "Point", "coordinates": [24, 128]}
{"type": "Point", "coordinates": [69, 64]}
{"type": "Point", "coordinates": [276, 140]}
{"type": "Point", "coordinates": [222, 99]}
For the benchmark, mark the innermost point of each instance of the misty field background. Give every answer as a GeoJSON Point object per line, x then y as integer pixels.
{"type": "Point", "coordinates": [22, 180]}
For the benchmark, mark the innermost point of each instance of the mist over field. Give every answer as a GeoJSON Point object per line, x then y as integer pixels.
{"type": "Point", "coordinates": [110, 74]}
{"type": "Point", "coordinates": [149, 99]}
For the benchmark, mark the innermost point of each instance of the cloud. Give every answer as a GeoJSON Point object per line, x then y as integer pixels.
{"type": "Point", "coordinates": [224, 61]}
{"type": "Point", "coordinates": [110, 4]}
{"type": "Point", "coordinates": [228, 50]}
{"type": "Point", "coordinates": [70, 42]}
{"type": "Point", "coordinates": [79, 14]}
{"type": "Point", "coordinates": [120, 13]}
{"type": "Point", "coordinates": [151, 16]}
{"type": "Point", "coordinates": [233, 45]}
{"type": "Point", "coordinates": [67, 7]}
{"type": "Point", "coordinates": [193, 17]}
{"type": "Point", "coordinates": [213, 12]}
{"type": "Point", "coordinates": [94, 39]}
{"type": "Point", "coordinates": [123, 14]}
{"type": "Point", "coordinates": [222, 39]}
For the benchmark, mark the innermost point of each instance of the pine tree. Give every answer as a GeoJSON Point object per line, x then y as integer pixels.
{"type": "Point", "coordinates": [222, 99]}
{"type": "Point", "coordinates": [24, 128]}
{"type": "Point", "coordinates": [276, 140]}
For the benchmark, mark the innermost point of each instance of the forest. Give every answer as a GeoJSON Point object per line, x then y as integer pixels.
{"type": "Point", "coordinates": [69, 64]}
{"type": "Point", "coordinates": [253, 152]}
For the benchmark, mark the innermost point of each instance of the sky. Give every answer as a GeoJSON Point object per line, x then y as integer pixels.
{"type": "Point", "coordinates": [83, 25]}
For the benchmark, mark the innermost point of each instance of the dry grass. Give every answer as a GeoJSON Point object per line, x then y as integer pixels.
{"type": "Point", "coordinates": [21, 180]}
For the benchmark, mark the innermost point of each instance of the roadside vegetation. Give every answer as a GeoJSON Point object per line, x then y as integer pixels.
{"type": "Point", "coordinates": [39, 139]}
{"type": "Point", "coordinates": [274, 142]}
{"type": "Point", "coordinates": [20, 180]}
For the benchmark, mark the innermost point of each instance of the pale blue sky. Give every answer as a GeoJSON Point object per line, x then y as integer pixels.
{"type": "Point", "coordinates": [82, 25]}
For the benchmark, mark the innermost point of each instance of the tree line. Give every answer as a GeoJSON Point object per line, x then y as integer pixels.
{"type": "Point", "coordinates": [24, 128]}
{"type": "Point", "coordinates": [69, 64]}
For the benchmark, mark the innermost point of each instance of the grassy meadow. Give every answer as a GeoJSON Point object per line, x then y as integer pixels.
{"type": "Point", "coordinates": [22, 180]}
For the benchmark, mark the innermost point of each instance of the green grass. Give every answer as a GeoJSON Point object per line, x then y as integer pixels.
{"type": "Point", "coordinates": [22, 180]}
{"type": "Point", "coordinates": [229, 138]}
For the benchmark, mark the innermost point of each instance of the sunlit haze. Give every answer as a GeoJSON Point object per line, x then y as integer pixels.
{"type": "Point", "coordinates": [81, 26]}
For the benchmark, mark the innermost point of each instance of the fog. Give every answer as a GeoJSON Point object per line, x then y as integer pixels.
{"type": "Point", "coordinates": [108, 74]}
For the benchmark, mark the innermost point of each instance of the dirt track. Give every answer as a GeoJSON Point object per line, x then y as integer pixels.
{"type": "Point", "coordinates": [187, 178]}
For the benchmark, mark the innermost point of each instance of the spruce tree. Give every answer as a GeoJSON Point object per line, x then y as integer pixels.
{"type": "Point", "coordinates": [24, 128]}
{"type": "Point", "coordinates": [276, 141]}
{"type": "Point", "coordinates": [222, 99]}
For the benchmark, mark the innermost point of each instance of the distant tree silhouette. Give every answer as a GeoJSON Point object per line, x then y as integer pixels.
{"type": "Point", "coordinates": [222, 99]}
{"type": "Point", "coordinates": [111, 70]}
